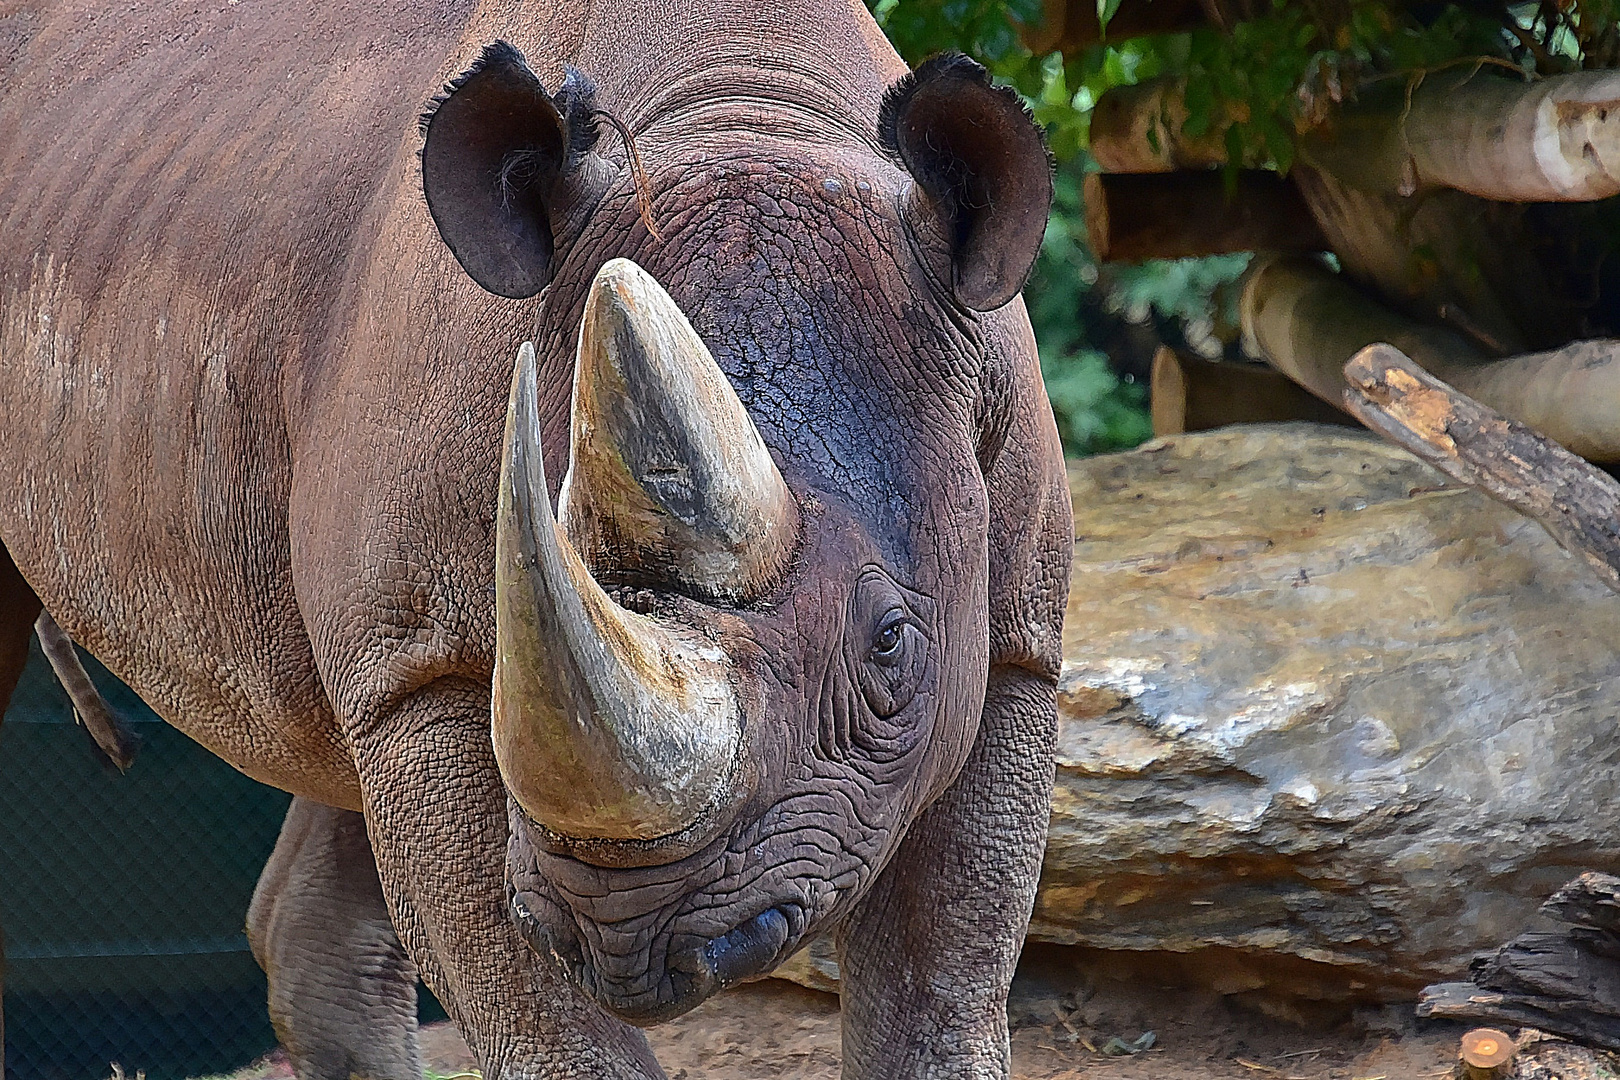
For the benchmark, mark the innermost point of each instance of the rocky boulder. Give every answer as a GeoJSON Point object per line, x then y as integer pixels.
{"type": "Point", "coordinates": [1324, 712]}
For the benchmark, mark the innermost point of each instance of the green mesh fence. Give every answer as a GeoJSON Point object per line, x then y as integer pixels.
{"type": "Point", "coordinates": [122, 898]}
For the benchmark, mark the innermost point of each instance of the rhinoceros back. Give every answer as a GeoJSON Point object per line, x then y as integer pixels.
{"type": "Point", "coordinates": [184, 190]}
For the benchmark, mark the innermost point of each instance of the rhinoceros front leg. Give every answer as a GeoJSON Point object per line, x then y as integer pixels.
{"type": "Point", "coordinates": [928, 956]}
{"type": "Point", "coordinates": [437, 816]}
{"type": "Point", "coordinates": [342, 990]}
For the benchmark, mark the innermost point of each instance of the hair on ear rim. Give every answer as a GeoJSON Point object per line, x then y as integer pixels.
{"type": "Point", "coordinates": [499, 52]}
{"type": "Point", "coordinates": [945, 65]}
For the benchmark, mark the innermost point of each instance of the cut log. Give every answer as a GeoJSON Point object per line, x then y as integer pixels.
{"type": "Point", "coordinates": [1577, 504]}
{"type": "Point", "coordinates": [1193, 394]}
{"type": "Point", "coordinates": [1141, 129]}
{"type": "Point", "coordinates": [1135, 216]}
{"type": "Point", "coordinates": [1476, 130]}
{"type": "Point", "coordinates": [1487, 1054]}
{"type": "Point", "coordinates": [1072, 26]}
{"type": "Point", "coordinates": [1308, 322]}
{"type": "Point", "coordinates": [1566, 982]}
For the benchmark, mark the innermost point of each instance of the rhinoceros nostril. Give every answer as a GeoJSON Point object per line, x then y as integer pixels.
{"type": "Point", "coordinates": [748, 949]}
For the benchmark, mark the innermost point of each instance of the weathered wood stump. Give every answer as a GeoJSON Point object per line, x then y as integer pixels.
{"type": "Point", "coordinates": [1562, 981]}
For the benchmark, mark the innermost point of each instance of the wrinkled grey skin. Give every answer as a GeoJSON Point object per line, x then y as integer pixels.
{"type": "Point", "coordinates": [342, 990]}
{"type": "Point", "coordinates": [254, 409]}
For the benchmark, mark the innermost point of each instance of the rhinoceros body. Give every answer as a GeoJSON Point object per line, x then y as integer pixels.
{"type": "Point", "coordinates": [271, 465]}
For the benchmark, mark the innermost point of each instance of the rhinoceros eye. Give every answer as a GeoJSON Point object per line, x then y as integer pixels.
{"type": "Point", "coordinates": [892, 653]}
{"type": "Point", "coordinates": [888, 642]}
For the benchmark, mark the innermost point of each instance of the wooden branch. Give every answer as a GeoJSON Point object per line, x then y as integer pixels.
{"type": "Point", "coordinates": [1141, 129]}
{"type": "Point", "coordinates": [115, 738]}
{"type": "Point", "coordinates": [1309, 322]}
{"type": "Point", "coordinates": [1577, 504]}
{"type": "Point", "coordinates": [1191, 394]}
{"type": "Point", "coordinates": [1071, 26]}
{"type": "Point", "coordinates": [1136, 216]}
{"type": "Point", "coordinates": [1480, 131]}
{"type": "Point", "coordinates": [1566, 983]}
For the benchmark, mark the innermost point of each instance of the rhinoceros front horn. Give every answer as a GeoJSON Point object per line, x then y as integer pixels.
{"type": "Point", "coordinates": [607, 723]}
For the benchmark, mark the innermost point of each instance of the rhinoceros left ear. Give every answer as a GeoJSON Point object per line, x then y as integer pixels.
{"type": "Point", "coordinates": [497, 155]}
{"type": "Point", "coordinates": [982, 172]}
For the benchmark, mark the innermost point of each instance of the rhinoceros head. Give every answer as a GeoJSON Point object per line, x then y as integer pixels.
{"type": "Point", "coordinates": [750, 645]}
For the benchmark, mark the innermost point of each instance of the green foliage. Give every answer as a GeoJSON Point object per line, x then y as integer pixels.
{"type": "Point", "coordinates": [1096, 411]}
{"type": "Point", "coordinates": [1258, 87]}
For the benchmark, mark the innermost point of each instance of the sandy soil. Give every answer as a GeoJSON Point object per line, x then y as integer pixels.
{"type": "Point", "coordinates": [774, 1029]}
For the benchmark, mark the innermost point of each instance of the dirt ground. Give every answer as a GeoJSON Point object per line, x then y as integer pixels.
{"type": "Point", "coordinates": [1063, 1019]}
{"type": "Point", "coordinates": [774, 1029]}
{"type": "Point", "coordinates": [1061, 1023]}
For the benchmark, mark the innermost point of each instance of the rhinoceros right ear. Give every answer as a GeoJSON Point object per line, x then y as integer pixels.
{"type": "Point", "coordinates": [496, 149]}
{"type": "Point", "coordinates": [983, 177]}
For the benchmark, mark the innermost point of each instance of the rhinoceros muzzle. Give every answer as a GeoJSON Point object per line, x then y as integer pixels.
{"type": "Point", "coordinates": [690, 973]}
{"type": "Point", "coordinates": [610, 724]}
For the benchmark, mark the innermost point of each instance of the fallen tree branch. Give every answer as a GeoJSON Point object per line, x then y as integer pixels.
{"type": "Point", "coordinates": [1308, 322]}
{"type": "Point", "coordinates": [1136, 216]}
{"type": "Point", "coordinates": [1578, 504]}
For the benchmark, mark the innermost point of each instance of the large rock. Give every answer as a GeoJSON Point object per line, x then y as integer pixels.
{"type": "Point", "coordinates": [1326, 719]}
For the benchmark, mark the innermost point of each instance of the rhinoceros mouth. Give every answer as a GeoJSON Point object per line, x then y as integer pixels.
{"type": "Point", "coordinates": [691, 974]}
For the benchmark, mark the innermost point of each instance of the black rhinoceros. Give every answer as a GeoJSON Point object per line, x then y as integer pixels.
{"type": "Point", "coordinates": [781, 658]}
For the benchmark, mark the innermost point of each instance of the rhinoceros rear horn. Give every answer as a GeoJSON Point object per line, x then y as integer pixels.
{"type": "Point", "coordinates": [496, 148]}
{"type": "Point", "coordinates": [982, 173]}
{"type": "Point", "coordinates": [669, 483]}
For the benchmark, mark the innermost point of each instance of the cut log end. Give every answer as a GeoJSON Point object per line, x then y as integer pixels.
{"type": "Point", "coordinates": [1485, 1050]}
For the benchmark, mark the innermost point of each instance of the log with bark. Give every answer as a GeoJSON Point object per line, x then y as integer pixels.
{"type": "Point", "coordinates": [1577, 504]}
{"type": "Point", "coordinates": [1308, 322]}
{"type": "Point", "coordinates": [1135, 216]}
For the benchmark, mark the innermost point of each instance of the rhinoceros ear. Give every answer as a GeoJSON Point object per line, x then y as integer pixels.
{"type": "Point", "coordinates": [496, 150]}
{"type": "Point", "coordinates": [982, 172]}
